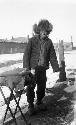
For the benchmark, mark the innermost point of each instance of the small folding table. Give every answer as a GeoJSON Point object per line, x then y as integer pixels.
{"type": "Point", "coordinates": [11, 81]}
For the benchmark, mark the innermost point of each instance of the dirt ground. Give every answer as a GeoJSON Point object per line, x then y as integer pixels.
{"type": "Point", "coordinates": [60, 107]}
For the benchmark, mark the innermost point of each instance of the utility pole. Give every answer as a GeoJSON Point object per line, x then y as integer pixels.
{"type": "Point", "coordinates": [27, 38]}
{"type": "Point", "coordinates": [72, 41]}
{"type": "Point", "coordinates": [62, 75]}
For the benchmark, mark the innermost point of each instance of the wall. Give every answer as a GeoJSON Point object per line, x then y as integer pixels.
{"type": "Point", "coordinates": [11, 47]}
{"type": "Point", "coordinates": [15, 47]}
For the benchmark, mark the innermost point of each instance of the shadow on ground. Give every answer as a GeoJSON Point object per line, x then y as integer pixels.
{"type": "Point", "coordinates": [60, 107]}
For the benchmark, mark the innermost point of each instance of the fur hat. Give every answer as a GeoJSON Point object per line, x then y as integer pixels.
{"type": "Point", "coordinates": [35, 29]}
{"type": "Point", "coordinates": [43, 25]}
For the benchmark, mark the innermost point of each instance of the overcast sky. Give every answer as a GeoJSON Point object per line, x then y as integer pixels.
{"type": "Point", "coordinates": [18, 16]}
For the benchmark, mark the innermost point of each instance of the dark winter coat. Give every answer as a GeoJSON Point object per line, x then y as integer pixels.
{"type": "Point", "coordinates": [40, 52]}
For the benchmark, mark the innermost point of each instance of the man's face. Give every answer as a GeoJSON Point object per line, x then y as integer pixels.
{"type": "Point", "coordinates": [43, 34]}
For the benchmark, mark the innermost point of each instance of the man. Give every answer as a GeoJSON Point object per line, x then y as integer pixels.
{"type": "Point", "coordinates": [39, 51]}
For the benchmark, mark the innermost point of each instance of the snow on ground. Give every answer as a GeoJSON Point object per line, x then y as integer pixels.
{"type": "Point", "coordinates": [8, 57]}
{"type": "Point", "coordinates": [70, 59]}
{"type": "Point", "coordinates": [12, 67]}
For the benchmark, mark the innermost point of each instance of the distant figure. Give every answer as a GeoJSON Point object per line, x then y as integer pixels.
{"type": "Point", "coordinates": [39, 51]}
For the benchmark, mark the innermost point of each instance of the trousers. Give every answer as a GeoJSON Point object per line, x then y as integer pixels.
{"type": "Point", "coordinates": [40, 79]}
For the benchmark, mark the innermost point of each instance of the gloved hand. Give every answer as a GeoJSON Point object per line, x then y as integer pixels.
{"type": "Point", "coordinates": [33, 71]}
{"type": "Point", "coordinates": [30, 78]}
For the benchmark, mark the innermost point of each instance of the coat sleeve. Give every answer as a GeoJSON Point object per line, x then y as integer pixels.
{"type": "Point", "coordinates": [53, 59]}
{"type": "Point", "coordinates": [27, 55]}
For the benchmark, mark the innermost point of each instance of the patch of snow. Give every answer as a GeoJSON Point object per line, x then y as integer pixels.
{"type": "Point", "coordinates": [12, 67]}
{"type": "Point", "coordinates": [8, 57]}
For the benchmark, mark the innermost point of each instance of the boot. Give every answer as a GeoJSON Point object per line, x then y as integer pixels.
{"type": "Point", "coordinates": [30, 99]}
{"type": "Point", "coordinates": [40, 106]}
